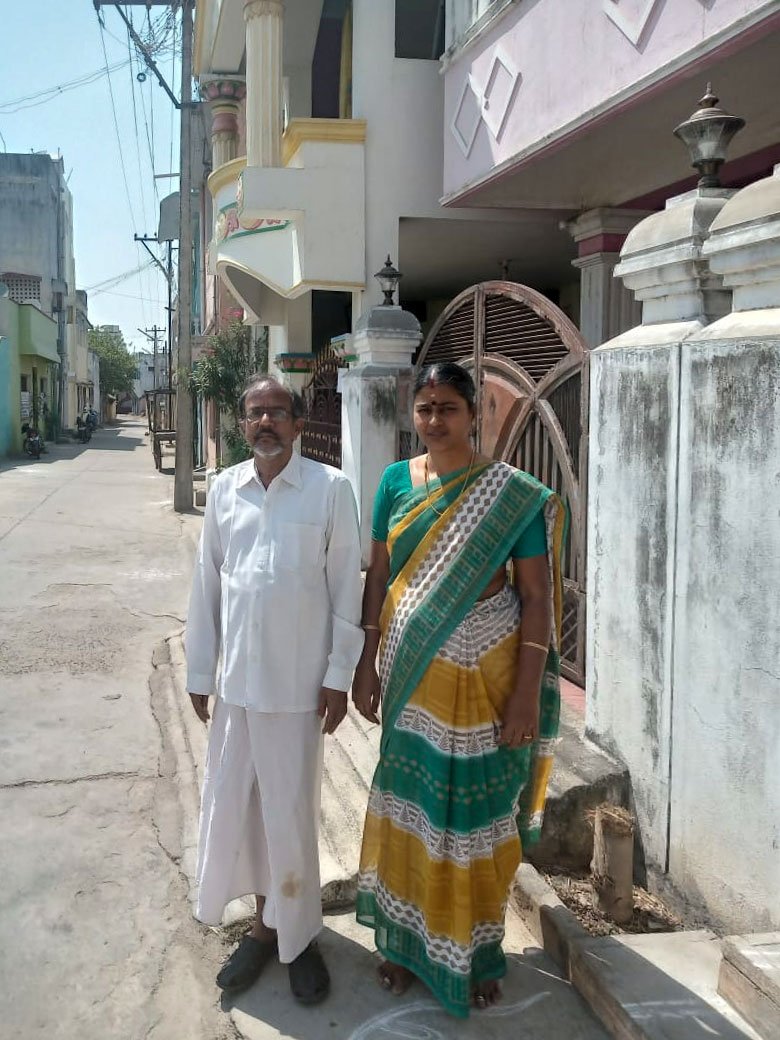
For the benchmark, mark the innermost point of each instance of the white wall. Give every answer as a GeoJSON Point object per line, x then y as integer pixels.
{"type": "Point", "coordinates": [403, 101]}
{"type": "Point", "coordinates": [631, 503]}
{"type": "Point", "coordinates": [725, 797]}
{"type": "Point", "coordinates": [683, 636]}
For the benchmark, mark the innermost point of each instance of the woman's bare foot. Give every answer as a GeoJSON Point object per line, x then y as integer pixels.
{"type": "Point", "coordinates": [394, 978]}
{"type": "Point", "coordinates": [486, 993]}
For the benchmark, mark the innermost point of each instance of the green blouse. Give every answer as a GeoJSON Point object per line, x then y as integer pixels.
{"type": "Point", "coordinates": [397, 481]}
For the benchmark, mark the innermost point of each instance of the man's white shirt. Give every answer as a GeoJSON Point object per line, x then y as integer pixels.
{"type": "Point", "coordinates": [276, 589]}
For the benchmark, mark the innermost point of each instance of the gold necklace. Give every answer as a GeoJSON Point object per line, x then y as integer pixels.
{"type": "Point", "coordinates": [463, 485]}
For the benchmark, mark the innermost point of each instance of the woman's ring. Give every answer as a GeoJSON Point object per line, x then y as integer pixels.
{"type": "Point", "coordinates": [481, 1001]}
{"type": "Point", "coordinates": [527, 736]}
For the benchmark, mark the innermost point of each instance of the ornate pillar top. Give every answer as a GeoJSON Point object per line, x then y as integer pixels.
{"type": "Point", "coordinates": [223, 90]}
{"type": "Point", "coordinates": [258, 8]}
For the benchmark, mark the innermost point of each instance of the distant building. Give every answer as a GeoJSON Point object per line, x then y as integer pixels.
{"type": "Point", "coordinates": [29, 364]}
{"type": "Point", "coordinates": [38, 267]}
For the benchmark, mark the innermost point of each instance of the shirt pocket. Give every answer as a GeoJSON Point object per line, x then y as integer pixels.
{"type": "Point", "coordinates": [300, 548]}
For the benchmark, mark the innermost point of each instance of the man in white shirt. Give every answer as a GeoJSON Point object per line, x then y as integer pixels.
{"type": "Point", "coordinates": [276, 595]}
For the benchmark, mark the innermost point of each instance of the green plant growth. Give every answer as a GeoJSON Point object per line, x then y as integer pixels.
{"type": "Point", "coordinates": [117, 365]}
{"type": "Point", "coordinates": [220, 375]}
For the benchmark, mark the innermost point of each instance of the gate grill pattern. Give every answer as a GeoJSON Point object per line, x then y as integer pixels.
{"type": "Point", "coordinates": [528, 361]}
{"type": "Point", "coordinates": [513, 330]}
{"type": "Point", "coordinates": [321, 436]}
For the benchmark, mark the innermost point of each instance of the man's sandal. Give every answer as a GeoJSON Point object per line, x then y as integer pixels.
{"type": "Point", "coordinates": [309, 978]}
{"type": "Point", "coordinates": [245, 963]}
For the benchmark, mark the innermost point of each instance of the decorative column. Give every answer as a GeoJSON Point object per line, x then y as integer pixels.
{"type": "Point", "coordinates": [263, 82]}
{"type": "Point", "coordinates": [224, 97]}
{"type": "Point", "coordinates": [384, 341]}
{"type": "Point", "coordinates": [606, 308]}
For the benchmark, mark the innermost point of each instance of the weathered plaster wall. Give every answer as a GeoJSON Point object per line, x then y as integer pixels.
{"type": "Point", "coordinates": [725, 794]}
{"type": "Point", "coordinates": [632, 464]}
{"type": "Point", "coordinates": [369, 436]}
{"type": "Point", "coordinates": [29, 186]}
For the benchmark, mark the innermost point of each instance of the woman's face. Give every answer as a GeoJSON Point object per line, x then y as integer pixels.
{"type": "Point", "coordinates": [442, 418]}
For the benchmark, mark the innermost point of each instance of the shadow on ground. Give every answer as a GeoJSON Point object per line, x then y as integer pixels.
{"type": "Point", "coordinates": [537, 1001]}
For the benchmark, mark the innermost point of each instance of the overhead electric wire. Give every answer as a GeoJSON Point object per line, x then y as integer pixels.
{"type": "Point", "coordinates": [50, 93]}
{"type": "Point", "coordinates": [115, 279]}
{"type": "Point", "coordinates": [119, 145]}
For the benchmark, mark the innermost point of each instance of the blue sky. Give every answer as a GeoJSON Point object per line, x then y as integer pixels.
{"type": "Point", "coordinates": [47, 43]}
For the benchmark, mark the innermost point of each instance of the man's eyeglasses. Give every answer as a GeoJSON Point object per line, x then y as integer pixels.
{"type": "Point", "coordinates": [276, 415]}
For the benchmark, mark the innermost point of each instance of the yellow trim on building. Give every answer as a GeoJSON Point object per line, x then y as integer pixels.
{"type": "Point", "coordinates": [197, 39]}
{"type": "Point", "coordinates": [346, 131]}
{"type": "Point", "coordinates": [225, 174]}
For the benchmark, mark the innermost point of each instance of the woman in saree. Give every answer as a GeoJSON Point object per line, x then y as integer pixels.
{"type": "Point", "coordinates": [468, 687]}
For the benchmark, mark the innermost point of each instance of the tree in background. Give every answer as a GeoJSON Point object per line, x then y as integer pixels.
{"type": "Point", "coordinates": [117, 365]}
{"type": "Point", "coordinates": [220, 374]}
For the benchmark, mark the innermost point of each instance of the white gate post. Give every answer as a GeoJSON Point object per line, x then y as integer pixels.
{"type": "Point", "coordinates": [384, 341]}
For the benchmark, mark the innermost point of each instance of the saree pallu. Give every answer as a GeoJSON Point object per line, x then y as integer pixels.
{"type": "Point", "coordinates": [449, 808]}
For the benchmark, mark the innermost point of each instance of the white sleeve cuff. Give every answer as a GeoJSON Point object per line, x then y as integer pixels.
{"type": "Point", "coordinates": [337, 678]}
{"type": "Point", "coordinates": [202, 684]}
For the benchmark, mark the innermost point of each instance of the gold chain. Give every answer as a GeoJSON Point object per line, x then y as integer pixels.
{"type": "Point", "coordinates": [463, 486]}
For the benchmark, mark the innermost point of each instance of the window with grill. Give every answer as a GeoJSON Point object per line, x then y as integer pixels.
{"type": "Point", "coordinates": [22, 288]}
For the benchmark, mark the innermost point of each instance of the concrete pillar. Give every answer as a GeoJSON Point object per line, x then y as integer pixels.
{"type": "Point", "coordinates": [224, 97]}
{"type": "Point", "coordinates": [633, 459]}
{"type": "Point", "coordinates": [726, 674]}
{"type": "Point", "coordinates": [289, 342]}
{"type": "Point", "coordinates": [384, 341]}
{"type": "Point", "coordinates": [263, 82]}
{"type": "Point", "coordinates": [606, 307]}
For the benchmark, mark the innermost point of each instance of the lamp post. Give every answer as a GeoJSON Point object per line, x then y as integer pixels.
{"type": "Point", "coordinates": [707, 135]}
{"type": "Point", "coordinates": [388, 279]}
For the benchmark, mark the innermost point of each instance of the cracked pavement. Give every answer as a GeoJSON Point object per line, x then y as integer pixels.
{"type": "Point", "coordinates": [96, 937]}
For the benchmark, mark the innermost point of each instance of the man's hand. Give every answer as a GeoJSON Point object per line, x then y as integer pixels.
{"type": "Point", "coordinates": [200, 703]}
{"type": "Point", "coordinates": [332, 708]}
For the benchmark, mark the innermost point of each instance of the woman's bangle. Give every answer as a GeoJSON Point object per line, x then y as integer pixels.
{"type": "Point", "coordinates": [536, 646]}
{"type": "Point", "coordinates": [371, 628]}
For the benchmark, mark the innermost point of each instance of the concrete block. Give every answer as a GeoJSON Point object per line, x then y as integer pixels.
{"type": "Point", "coordinates": [749, 980]}
{"type": "Point", "coordinates": [656, 987]}
{"type": "Point", "coordinates": [200, 496]}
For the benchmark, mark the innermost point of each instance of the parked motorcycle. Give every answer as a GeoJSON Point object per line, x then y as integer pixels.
{"type": "Point", "coordinates": [83, 430]}
{"type": "Point", "coordinates": [33, 442]}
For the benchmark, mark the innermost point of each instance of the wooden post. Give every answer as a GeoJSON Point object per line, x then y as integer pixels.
{"type": "Point", "coordinates": [612, 867]}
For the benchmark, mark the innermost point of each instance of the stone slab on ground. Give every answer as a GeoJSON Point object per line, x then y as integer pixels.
{"type": "Point", "coordinates": [656, 987]}
{"type": "Point", "coordinates": [750, 980]}
{"type": "Point", "coordinates": [660, 986]}
{"type": "Point", "coordinates": [537, 1003]}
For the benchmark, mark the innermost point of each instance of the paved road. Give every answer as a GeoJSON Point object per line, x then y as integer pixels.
{"type": "Point", "coordinates": [96, 939]}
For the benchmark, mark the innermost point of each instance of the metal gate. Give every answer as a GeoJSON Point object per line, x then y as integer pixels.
{"type": "Point", "coordinates": [321, 436]}
{"type": "Point", "coordinates": [530, 364]}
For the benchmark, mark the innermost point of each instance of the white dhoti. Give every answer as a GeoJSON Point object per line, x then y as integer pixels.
{"type": "Point", "coordinates": [259, 821]}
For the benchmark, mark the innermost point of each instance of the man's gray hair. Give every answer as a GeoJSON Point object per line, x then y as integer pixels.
{"type": "Point", "coordinates": [259, 381]}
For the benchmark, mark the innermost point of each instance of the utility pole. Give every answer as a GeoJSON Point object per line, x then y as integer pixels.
{"type": "Point", "coordinates": [182, 486]}
{"type": "Point", "coordinates": [167, 271]}
{"type": "Point", "coordinates": [151, 335]}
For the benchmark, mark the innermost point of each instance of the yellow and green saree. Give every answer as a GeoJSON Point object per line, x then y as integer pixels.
{"type": "Point", "coordinates": [448, 807]}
